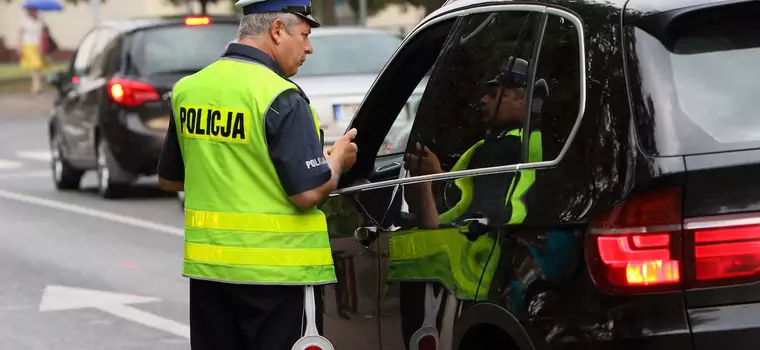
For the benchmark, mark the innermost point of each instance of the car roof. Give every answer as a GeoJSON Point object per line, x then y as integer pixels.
{"type": "Point", "coordinates": [643, 6]}
{"type": "Point", "coordinates": [351, 30]}
{"type": "Point", "coordinates": [133, 24]}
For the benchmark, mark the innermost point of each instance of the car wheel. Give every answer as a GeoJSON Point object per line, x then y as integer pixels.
{"type": "Point", "coordinates": [106, 186]}
{"type": "Point", "coordinates": [65, 177]}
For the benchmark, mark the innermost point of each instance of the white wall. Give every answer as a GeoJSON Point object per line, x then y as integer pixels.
{"type": "Point", "coordinates": [397, 17]}
{"type": "Point", "coordinates": [70, 25]}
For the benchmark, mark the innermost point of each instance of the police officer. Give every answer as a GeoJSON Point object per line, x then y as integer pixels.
{"type": "Point", "coordinates": [245, 146]}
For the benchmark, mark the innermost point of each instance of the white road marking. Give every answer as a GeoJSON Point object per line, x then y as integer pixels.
{"type": "Point", "coordinates": [58, 298]}
{"type": "Point", "coordinates": [43, 156]}
{"type": "Point", "coordinates": [16, 175]}
{"type": "Point", "coordinates": [73, 208]}
{"type": "Point", "coordinates": [10, 164]}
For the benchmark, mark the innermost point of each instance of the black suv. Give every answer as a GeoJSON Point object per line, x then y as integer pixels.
{"type": "Point", "coordinates": [616, 207]}
{"type": "Point", "coordinates": [113, 103]}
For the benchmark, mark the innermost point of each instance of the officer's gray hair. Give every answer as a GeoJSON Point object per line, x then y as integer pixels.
{"type": "Point", "coordinates": [255, 25]}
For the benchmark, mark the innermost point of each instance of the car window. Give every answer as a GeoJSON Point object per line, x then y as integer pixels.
{"type": "Point", "coordinates": [83, 57]}
{"type": "Point", "coordinates": [462, 106]}
{"type": "Point", "coordinates": [346, 54]}
{"type": "Point", "coordinates": [395, 141]}
{"type": "Point", "coordinates": [101, 51]}
{"type": "Point", "coordinates": [557, 98]}
{"type": "Point", "coordinates": [180, 49]}
{"type": "Point", "coordinates": [479, 92]}
{"type": "Point", "coordinates": [386, 114]}
{"type": "Point", "coordinates": [700, 76]}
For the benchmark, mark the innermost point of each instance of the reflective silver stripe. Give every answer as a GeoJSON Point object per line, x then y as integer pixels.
{"type": "Point", "coordinates": [722, 221]}
{"type": "Point", "coordinates": [634, 230]}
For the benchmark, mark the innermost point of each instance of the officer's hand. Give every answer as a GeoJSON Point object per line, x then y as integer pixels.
{"type": "Point", "coordinates": [345, 150]}
{"type": "Point", "coordinates": [423, 161]}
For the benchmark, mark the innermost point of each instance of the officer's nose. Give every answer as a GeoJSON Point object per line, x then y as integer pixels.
{"type": "Point", "coordinates": [309, 49]}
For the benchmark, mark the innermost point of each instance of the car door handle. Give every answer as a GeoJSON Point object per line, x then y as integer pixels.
{"type": "Point", "coordinates": [366, 235]}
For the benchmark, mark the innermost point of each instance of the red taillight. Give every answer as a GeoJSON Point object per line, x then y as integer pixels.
{"type": "Point", "coordinates": [75, 79]}
{"type": "Point", "coordinates": [197, 21]}
{"type": "Point", "coordinates": [131, 93]}
{"type": "Point", "coordinates": [636, 247]}
{"type": "Point", "coordinates": [725, 254]}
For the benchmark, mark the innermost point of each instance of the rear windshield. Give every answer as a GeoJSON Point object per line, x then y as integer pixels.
{"type": "Point", "coordinates": [346, 54]}
{"type": "Point", "coordinates": [181, 49]}
{"type": "Point", "coordinates": [703, 81]}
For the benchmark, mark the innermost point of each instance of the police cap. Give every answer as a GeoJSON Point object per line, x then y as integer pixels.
{"type": "Point", "coordinates": [301, 8]}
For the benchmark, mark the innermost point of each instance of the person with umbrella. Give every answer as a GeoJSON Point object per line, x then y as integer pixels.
{"type": "Point", "coordinates": [35, 40]}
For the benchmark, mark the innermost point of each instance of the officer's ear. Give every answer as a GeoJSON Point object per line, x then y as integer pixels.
{"type": "Point", "coordinates": [277, 30]}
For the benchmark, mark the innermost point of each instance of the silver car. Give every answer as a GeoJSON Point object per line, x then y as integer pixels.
{"type": "Point", "coordinates": [345, 63]}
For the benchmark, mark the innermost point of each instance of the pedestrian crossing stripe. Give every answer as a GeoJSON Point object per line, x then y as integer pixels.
{"type": "Point", "coordinates": [43, 156]}
{"type": "Point", "coordinates": [10, 164]}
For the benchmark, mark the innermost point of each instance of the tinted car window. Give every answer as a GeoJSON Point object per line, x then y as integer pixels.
{"type": "Point", "coordinates": [180, 49]}
{"type": "Point", "coordinates": [345, 54]}
{"type": "Point", "coordinates": [84, 53]}
{"type": "Point", "coordinates": [701, 74]}
{"type": "Point", "coordinates": [452, 116]}
{"type": "Point", "coordinates": [103, 49]}
{"type": "Point", "coordinates": [559, 68]}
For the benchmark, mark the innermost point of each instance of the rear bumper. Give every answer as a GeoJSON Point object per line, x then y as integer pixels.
{"type": "Point", "coordinates": [134, 147]}
{"type": "Point", "coordinates": [735, 327]}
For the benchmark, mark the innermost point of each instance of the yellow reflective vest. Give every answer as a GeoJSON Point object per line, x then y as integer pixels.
{"type": "Point", "coordinates": [240, 225]}
{"type": "Point", "coordinates": [445, 255]}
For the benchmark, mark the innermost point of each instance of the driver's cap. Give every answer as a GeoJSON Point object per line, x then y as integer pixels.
{"type": "Point", "coordinates": [515, 74]}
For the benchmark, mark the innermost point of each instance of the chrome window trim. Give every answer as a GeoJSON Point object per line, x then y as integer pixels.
{"type": "Point", "coordinates": [505, 168]}
{"type": "Point", "coordinates": [719, 221]}
{"type": "Point", "coordinates": [636, 230]}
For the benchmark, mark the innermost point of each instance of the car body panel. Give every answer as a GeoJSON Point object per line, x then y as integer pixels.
{"type": "Point", "coordinates": [540, 291]}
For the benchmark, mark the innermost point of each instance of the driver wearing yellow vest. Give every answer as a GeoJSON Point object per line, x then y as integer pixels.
{"type": "Point", "coordinates": [497, 196]}
{"type": "Point", "coordinates": [436, 250]}
{"type": "Point", "coordinates": [244, 145]}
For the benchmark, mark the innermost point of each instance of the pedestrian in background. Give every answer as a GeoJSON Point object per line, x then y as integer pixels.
{"type": "Point", "coordinates": [245, 146]}
{"type": "Point", "coordinates": [33, 39]}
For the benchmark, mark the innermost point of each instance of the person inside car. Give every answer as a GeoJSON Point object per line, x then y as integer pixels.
{"type": "Point", "coordinates": [437, 250]}
{"type": "Point", "coordinates": [502, 110]}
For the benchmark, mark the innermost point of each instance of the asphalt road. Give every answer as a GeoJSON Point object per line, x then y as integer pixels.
{"type": "Point", "coordinates": [64, 254]}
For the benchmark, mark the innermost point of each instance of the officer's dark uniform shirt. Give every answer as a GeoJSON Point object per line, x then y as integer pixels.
{"type": "Point", "coordinates": [290, 133]}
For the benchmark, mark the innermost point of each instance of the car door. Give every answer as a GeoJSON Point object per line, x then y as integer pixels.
{"type": "Point", "coordinates": [93, 90]}
{"type": "Point", "coordinates": [446, 241]}
{"type": "Point", "coordinates": [356, 217]}
{"type": "Point", "coordinates": [71, 115]}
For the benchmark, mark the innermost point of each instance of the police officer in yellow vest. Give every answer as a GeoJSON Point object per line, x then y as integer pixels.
{"type": "Point", "coordinates": [245, 146]}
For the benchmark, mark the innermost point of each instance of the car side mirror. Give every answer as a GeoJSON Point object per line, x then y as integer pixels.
{"type": "Point", "coordinates": [56, 78]}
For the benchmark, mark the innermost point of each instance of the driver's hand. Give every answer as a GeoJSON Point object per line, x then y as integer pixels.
{"type": "Point", "coordinates": [422, 162]}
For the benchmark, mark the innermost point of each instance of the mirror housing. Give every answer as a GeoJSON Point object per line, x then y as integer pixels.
{"type": "Point", "coordinates": [56, 78]}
